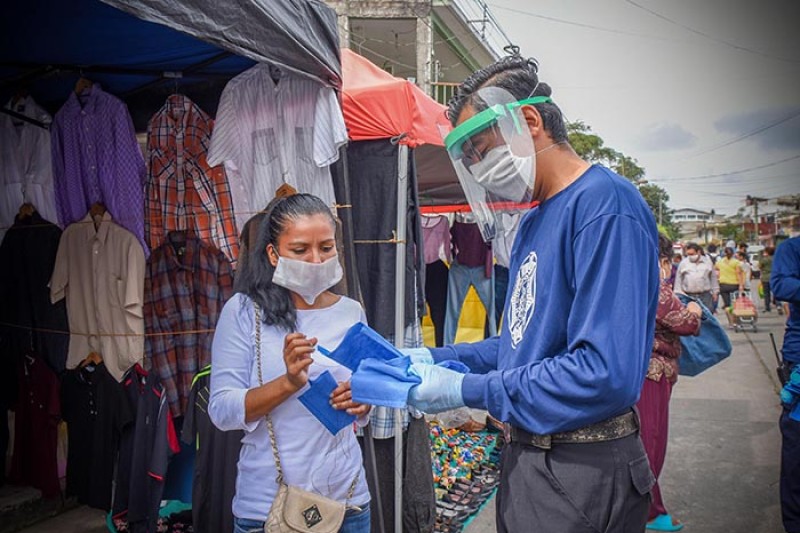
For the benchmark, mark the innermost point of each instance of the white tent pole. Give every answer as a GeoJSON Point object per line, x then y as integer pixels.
{"type": "Point", "coordinates": [399, 323]}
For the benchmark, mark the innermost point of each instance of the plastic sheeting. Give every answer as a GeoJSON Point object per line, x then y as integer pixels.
{"type": "Point", "coordinates": [297, 35]}
{"type": "Point", "coordinates": [377, 105]}
{"type": "Point", "coordinates": [45, 45]}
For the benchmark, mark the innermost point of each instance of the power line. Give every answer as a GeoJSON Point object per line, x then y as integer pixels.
{"type": "Point", "coordinates": [710, 37]}
{"type": "Point", "coordinates": [731, 173]}
{"type": "Point", "coordinates": [747, 135]}
{"type": "Point", "coordinates": [583, 25]}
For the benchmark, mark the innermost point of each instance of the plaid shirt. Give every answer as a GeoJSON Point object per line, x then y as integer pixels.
{"type": "Point", "coordinates": [186, 284]}
{"type": "Point", "coordinates": [183, 191]}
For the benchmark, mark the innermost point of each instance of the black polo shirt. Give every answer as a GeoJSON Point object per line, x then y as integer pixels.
{"type": "Point", "coordinates": [94, 406]}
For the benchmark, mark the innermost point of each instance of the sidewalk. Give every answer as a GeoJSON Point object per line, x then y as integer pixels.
{"type": "Point", "coordinates": [723, 460]}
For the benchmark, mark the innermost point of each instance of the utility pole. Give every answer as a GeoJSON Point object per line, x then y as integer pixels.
{"type": "Point", "coordinates": [754, 201]}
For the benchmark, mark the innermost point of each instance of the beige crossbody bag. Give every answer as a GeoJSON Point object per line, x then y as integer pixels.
{"type": "Point", "coordinates": [294, 509]}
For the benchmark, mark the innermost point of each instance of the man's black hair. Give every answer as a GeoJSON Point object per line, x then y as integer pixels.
{"type": "Point", "coordinates": [517, 75]}
{"type": "Point", "coordinates": [256, 279]}
{"type": "Point", "coordinates": [693, 246]}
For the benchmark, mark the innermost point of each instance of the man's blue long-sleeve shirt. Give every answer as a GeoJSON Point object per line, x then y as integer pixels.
{"type": "Point", "coordinates": [785, 284]}
{"type": "Point", "coordinates": [580, 312]}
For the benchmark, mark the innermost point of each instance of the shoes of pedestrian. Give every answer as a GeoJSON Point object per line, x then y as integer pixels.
{"type": "Point", "coordinates": [664, 522]}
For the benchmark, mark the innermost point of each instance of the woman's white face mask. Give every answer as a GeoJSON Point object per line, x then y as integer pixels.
{"type": "Point", "coordinates": [309, 280]}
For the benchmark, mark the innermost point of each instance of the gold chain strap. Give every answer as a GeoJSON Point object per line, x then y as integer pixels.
{"type": "Point", "coordinates": [271, 430]}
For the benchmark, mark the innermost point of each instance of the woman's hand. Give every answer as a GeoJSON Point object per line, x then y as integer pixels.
{"type": "Point", "coordinates": [297, 350]}
{"type": "Point", "coordinates": [342, 398]}
{"type": "Point", "coordinates": [695, 309]}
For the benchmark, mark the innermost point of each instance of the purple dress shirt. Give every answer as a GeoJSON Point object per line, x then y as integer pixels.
{"type": "Point", "coordinates": [96, 158]}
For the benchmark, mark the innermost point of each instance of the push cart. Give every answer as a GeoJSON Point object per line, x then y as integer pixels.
{"type": "Point", "coordinates": [743, 313]}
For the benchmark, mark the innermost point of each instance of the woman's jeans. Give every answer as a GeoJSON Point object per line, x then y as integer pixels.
{"type": "Point", "coordinates": [354, 522]}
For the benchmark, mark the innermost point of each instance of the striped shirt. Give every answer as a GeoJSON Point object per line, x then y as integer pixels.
{"type": "Point", "coordinates": [272, 133]}
{"type": "Point", "coordinates": [183, 191]}
{"type": "Point", "coordinates": [25, 164]}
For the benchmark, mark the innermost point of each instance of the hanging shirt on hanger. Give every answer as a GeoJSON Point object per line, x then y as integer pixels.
{"type": "Point", "coordinates": [146, 446]}
{"type": "Point", "coordinates": [214, 484]}
{"type": "Point", "coordinates": [94, 407]}
{"type": "Point", "coordinates": [186, 286]}
{"type": "Point", "coordinates": [436, 239]}
{"type": "Point", "coordinates": [27, 256]}
{"type": "Point", "coordinates": [274, 132]}
{"type": "Point", "coordinates": [37, 413]}
{"type": "Point", "coordinates": [25, 169]}
{"type": "Point", "coordinates": [183, 191]}
{"type": "Point", "coordinates": [101, 274]}
{"type": "Point", "coordinates": [96, 158]}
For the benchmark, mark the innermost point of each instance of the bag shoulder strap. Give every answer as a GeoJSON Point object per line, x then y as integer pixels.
{"type": "Point", "coordinates": [273, 441]}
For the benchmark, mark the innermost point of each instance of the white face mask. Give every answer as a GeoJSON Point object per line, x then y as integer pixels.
{"type": "Point", "coordinates": [694, 258]}
{"type": "Point", "coordinates": [309, 280]}
{"type": "Point", "coordinates": [504, 174]}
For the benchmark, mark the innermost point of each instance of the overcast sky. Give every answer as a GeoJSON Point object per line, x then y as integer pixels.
{"type": "Point", "coordinates": [683, 88]}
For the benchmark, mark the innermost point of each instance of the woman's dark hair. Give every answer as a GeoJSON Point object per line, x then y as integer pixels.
{"type": "Point", "coordinates": [664, 247]}
{"type": "Point", "coordinates": [769, 250]}
{"type": "Point", "coordinates": [255, 280]}
{"type": "Point", "coordinates": [520, 77]}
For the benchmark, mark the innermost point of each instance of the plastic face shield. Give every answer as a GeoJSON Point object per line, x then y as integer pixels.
{"type": "Point", "coordinates": [494, 157]}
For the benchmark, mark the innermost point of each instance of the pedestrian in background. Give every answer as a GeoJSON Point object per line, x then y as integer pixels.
{"type": "Point", "coordinates": [673, 319]}
{"type": "Point", "coordinates": [785, 281]}
{"type": "Point", "coordinates": [696, 277]}
{"type": "Point", "coordinates": [729, 271]}
{"type": "Point", "coordinates": [765, 265]}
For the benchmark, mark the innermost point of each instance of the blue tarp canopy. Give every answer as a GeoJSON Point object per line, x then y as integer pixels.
{"type": "Point", "coordinates": [143, 50]}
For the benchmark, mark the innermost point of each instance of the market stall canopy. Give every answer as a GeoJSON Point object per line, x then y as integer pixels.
{"type": "Point", "coordinates": [377, 105]}
{"type": "Point", "coordinates": [141, 46]}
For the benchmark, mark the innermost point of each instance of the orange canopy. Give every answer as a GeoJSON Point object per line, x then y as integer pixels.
{"type": "Point", "coordinates": [377, 105]}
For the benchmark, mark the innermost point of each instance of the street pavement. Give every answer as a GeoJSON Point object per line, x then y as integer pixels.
{"type": "Point", "coordinates": [723, 460]}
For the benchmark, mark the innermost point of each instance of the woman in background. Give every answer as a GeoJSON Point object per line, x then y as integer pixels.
{"type": "Point", "coordinates": [673, 319]}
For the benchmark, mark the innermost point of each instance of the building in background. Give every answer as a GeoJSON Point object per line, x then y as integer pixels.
{"type": "Point", "coordinates": [434, 43]}
{"type": "Point", "coordinates": [697, 226]}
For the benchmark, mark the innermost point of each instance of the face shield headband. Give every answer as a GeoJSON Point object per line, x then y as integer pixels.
{"type": "Point", "coordinates": [455, 140]}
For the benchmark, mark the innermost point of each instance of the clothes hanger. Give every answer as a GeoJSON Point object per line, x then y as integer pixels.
{"type": "Point", "coordinates": [285, 190]}
{"type": "Point", "coordinates": [92, 360]}
{"type": "Point", "coordinates": [26, 210]}
{"type": "Point", "coordinates": [82, 85]}
{"type": "Point", "coordinates": [177, 238]}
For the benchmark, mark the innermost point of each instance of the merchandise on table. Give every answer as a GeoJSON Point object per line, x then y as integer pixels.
{"type": "Point", "coordinates": [465, 473]}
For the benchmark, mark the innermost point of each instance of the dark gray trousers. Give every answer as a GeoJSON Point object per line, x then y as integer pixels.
{"type": "Point", "coordinates": [599, 487]}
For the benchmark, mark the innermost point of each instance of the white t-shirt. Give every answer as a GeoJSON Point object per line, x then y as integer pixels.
{"type": "Point", "coordinates": [269, 133]}
{"type": "Point", "coordinates": [311, 457]}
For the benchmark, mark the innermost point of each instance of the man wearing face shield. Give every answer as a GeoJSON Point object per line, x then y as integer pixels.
{"type": "Point", "coordinates": [570, 360]}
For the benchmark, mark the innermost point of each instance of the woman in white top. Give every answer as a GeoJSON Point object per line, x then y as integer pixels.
{"type": "Point", "coordinates": [293, 263]}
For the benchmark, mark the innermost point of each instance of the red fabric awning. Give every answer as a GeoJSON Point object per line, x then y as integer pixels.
{"type": "Point", "coordinates": [377, 105]}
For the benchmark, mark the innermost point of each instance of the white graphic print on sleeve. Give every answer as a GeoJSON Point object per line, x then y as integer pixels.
{"type": "Point", "coordinates": [523, 300]}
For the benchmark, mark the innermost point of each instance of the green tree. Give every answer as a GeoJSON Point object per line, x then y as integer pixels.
{"type": "Point", "coordinates": [592, 148]}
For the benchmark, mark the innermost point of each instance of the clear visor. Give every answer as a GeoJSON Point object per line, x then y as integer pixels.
{"type": "Point", "coordinates": [494, 158]}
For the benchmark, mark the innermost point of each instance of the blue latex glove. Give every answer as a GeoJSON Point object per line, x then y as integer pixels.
{"type": "Point", "coordinates": [418, 355]}
{"type": "Point", "coordinates": [439, 391]}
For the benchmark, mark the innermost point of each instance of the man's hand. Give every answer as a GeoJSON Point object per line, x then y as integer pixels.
{"type": "Point", "coordinates": [297, 350]}
{"type": "Point", "coordinates": [439, 391]}
{"type": "Point", "coordinates": [418, 355]}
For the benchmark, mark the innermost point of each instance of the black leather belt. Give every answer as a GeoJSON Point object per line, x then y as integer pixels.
{"type": "Point", "coordinates": [611, 429]}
